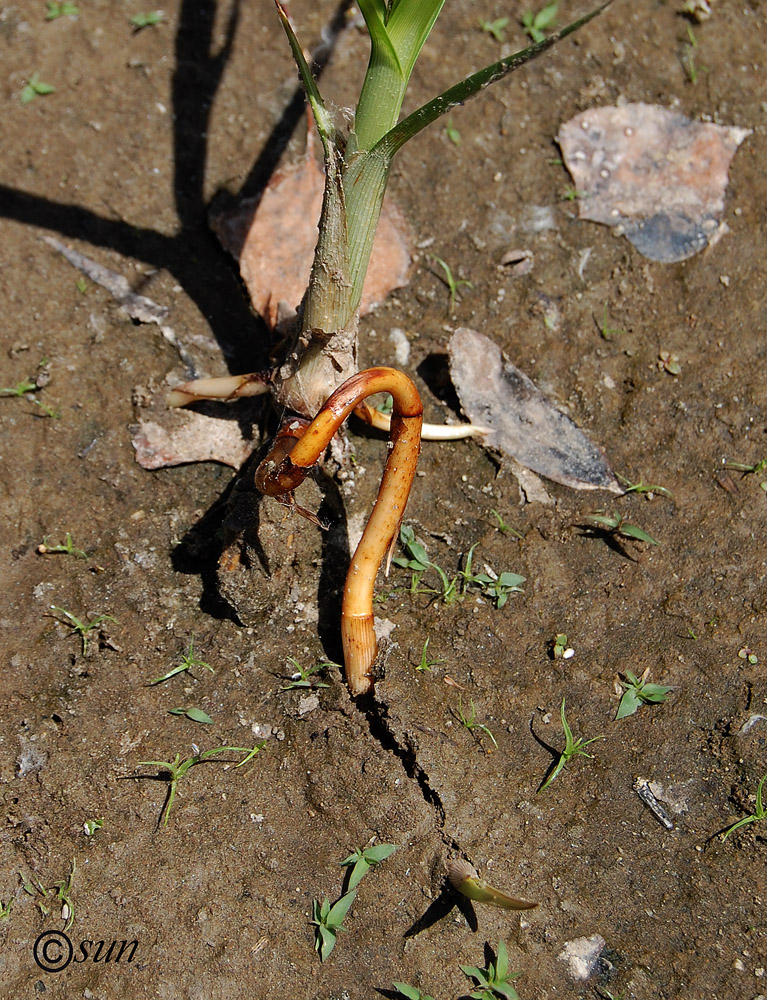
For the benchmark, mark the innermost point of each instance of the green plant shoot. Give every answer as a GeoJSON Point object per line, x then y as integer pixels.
{"type": "Point", "coordinates": [361, 861]}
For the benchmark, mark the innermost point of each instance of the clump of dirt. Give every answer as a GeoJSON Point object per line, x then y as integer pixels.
{"type": "Point", "coordinates": [123, 160]}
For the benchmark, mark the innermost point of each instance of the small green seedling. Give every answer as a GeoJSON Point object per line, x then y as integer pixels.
{"type": "Point", "coordinates": [418, 562]}
{"type": "Point", "coordinates": [82, 285]}
{"type": "Point", "coordinates": [56, 10]}
{"type": "Point", "coordinates": [64, 896]}
{"type": "Point", "coordinates": [177, 768]}
{"type": "Point", "coordinates": [606, 331]}
{"type": "Point", "coordinates": [148, 20]}
{"type": "Point", "coordinates": [67, 547]}
{"type": "Point", "coordinates": [83, 629]}
{"type": "Point", "coordinates": [642, 487]}
{"type": "Point", "coordinates": [188, 661]}
{"type": "Point", "coordinates": [744, 653]}
{"type": "Point", "coordinates": [453, 134]}
{"type": "Point", "coordinates": [505, 529]}
{"type": "Point", "coordinates": [756, 469]}
{"type": "Point", "coordinates": [24, 390]}
{"type": "Point", "coordinates": [756, 816]}
{"type": "Point", "coordinates": [495, 28]}
{"type": "Point", "coordinates": [573, 748]}
{"type": "Point", "coordinates": [573, 194]}
{"type": "Point", "coordinates": [426, 664]}
{"type": "Point", "coordinates": [90, 826]}
{"type": "Point", "coordinates": [669, 362]}
{"type": "Point", "coordinates": [361, 861]}
{"type": "Point", "coordinates": [194, 714]}
{"type": "Point", "coordinates": [688, 58]}
{"type": "Point", "coordinates": [535, 25]}
{"type": "Point", "coordinates": [35, 87]}
{"type": "Point", "coordinates": [495, 980]}
{"type": "Point", "coordinates": [5, 909]}
{"type": "Point", "coordinates": [560, 650]}
{"type": "Point", "coordinates": [637, 692]}
{"type": "Point", "coordinates": [328, 921]}
{"type": "Point", "coordinates": [301, 678]}
{"type": "Point", "coordinates": [452, 283]}
{"type": "Point", "coordinates": [468, 721]}
{"type": "Point", "coordinates": [411, 992]}
{"type": "Point", "coordinates": [615, 524]}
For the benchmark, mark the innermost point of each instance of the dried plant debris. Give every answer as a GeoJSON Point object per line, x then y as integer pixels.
{"type": "Point", "coordinates": [273, 238]}
{"type": "Point", "coordinates": [657, 175]}
{"type": "Point", "coordinates": [522, 422]}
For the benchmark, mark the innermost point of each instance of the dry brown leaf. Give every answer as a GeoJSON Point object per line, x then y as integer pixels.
{"type": "Point", "coordinates": [656, 174]}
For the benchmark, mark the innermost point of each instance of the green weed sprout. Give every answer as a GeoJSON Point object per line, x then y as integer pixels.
{"type": "Point", "coordinates": [64, 896]}
{"type": "Point", "coordinates": [573, 748]}
{"type": "Point", "coordinates": [615, 524]}
{"type": "Point", "coordinates": [90, 826]}
{"type": "Point", "coordinates": [756, 816]}
{"type": "Point", "coordinates": [426, 664]}
{"type": "Point", "coordinates": [76, 625]}
{"type": "Point", "coordinates": [468, 721]}
{"type": "Point", "coordinates": [5, 909]}
{"type": "Point", "coordinates": [35, 87]}
{"type": "Point", "coordinates": [188, 661]}
{"type": "Point", "coordinates": [606, 331]}
{"type": "Point", "coordinates": [301, 678]}
{"type": "Point", "coordinates": [328, 921]}
{"type": "Point", "coordinates": [535, 25]}
{"type": "Point", "coordinates": [638, 692]}
{"type": "Point", "coordinates": [452, 283]}
{"type": "Point", "coordinates": [495, 28]}
{"type": "Point", "coordinates": [24, 390]}
{"type": "Point", "coordinates": [755, 469]}
{"type": "Point", "coordinates": [147, 20]}
{"type": "Point", "coordinates": [361, 861]}
{"type": "Point", "coordinates": [177, 768]}
{"type": "Point", "coordinates": [56, 10]}
{"type": "Point", "coordinates": [411, 992]}
{"type": "Point", "coordinates": [495, 980]}
{"type": "Point", "coordinates": [193, 714]}
{"type": "Point", "coordinates": [503, 527]}
{"type": "Point", "coordinates": [642, 487]}
{"type": "Point", "coordinates": [67, 547]}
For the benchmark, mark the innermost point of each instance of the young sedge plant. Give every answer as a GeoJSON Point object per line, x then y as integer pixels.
{"type": "Point", "coordinates": [78, 626]}
{"type": "Point", "coordinates": [425, 664]}
{"type": "Point", "coordinates": [453, 284]}
{"type": "Point", "coordinates": [189, 660]}
{"type": "Point", "coordinates": [616, 524]}
{"type": "Point", "coordinates": [573, 748]}
{"type": "Point", "coordinates": [759, 813]}
{"type": "Point", "coordinates": [67, 547]}
{"type": "Point", "coordinates": [468, 721]}
{"type": "Point", "coordinates": [642, 487]}
{"type": "Point", "coordinates": [321, 357]}
{"type": "Point", "coordinates": [495, 980]}
{"type": "Point", "coordinates": [177, 768]}
{"type": "Point", "coordinates": [301, 678]}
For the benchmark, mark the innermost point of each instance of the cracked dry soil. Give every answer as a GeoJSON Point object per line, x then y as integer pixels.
{"type": "Point", "coordinates": [122, 162]}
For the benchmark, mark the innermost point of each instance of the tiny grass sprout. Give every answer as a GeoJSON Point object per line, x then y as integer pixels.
{"type": "Point", "coordinates": [560, 649]}
{"type": "Point", "coordinates": [756, 469]}
{"type": "Point", "coordinates": [194, 714]}
{"type": "Point", "coordinates": [468, 721]}
{"type": "Point", "coordinates": [535, 25]}
{"type": "Point", "coordinates": [495, 28]}
{"type": "Point", "coordinates": [606, 331]}
{"type": "Point", "coordinates": [5, 910]}
{"type": "Point", "coordinates": [505, 529]}
{"type": "Point", "coordinates": [81, 285]}
{"type": "Point", "coordinates": [426, 664]}
{"type": "Point", "coordinates": [495, 980]}
{"type": "Point", "coordinates": [361, 861]}
{"type": "Point", "coordinates": [573, 748]}
{"type": "Point", "coordinates": [453, 134]}
{"type": "Point", "coordinates": [67, 547]}
{"type": "Point", "coordinates": [688, 58]}
{"type": "Point", "coordinates": [188, 661]}
{"type": "Point", "coordinates": [452, 283]}
{"type": "Point", "coordinates": [615, 524]}
{"type": "Point", "coordinates": [90, 826]}
{"type": "Point", "coordinates": [642, 487]}
{"type": "Point", "coordinates": [573, 194]}
{"type": "Point", "coordinates": [177, 768]}
{"type": "Point", "coordinates": [147, 20]}
{"type": "Point", "coordinates": [35, 87]}
{"type": "Point", "coordinates": [637, 692]}
{"type": "Point", "coordinates": [24, 390]}
{"type": "Point", "coordinates": [56, 10]}
{"type": "Point", "coordinates": [669, 362]}
{"type": "Point", "coordinates": [756, 816]}
{"type": "Point", "coordinates": [328, 921]}
{"type": "Point", "coordinates": [744, 653]}
{"type": "Point", "coordinates": [301, 678]}
{"type": "Point", "coordinates": [418, 562]}
{"type": "Point", "coordinates": [76, 625]}
{"type": "Point", "coordinates": [411, 992]}
{"type": "Point", "coordinates": [64, 896]}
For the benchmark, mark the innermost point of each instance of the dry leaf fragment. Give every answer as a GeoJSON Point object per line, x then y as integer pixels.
{"type": "Point", "coordinates": [523, 422]}
{"type": "Point", "coordinates": [656, 174]}
{"type": "Point", "coordinates": [189, 437]}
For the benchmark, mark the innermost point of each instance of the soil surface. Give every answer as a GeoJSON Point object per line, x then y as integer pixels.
{"type": "Point", "coordinates": [144, 133]}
